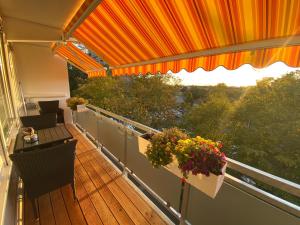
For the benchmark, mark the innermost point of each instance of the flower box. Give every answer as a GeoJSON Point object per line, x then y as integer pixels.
{"type": "Point", "coordinates": [210, 185]}
{"type": "Point", "coordinates": [173, 168]}
{"type": "Point", "coordinates": [142, 144]}
{"type": "Point", "coordinates": [81, 108]}
{"type": "Point", "coordinates": [199, 159]}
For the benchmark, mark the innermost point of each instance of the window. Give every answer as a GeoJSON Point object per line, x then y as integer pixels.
{"type": "Point", "coordinates": [9, 93]}
{"type": "Point", "coordinates": [5, 114]}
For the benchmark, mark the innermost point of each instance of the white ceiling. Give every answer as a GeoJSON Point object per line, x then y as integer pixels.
{"type": "Point", "coordinates": [36, 19]}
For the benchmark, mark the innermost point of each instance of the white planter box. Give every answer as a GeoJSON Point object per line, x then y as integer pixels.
{"type": "Point", "coordinates": [81, 108]}
{"type": "Point", "coordinates": [173, 168]}
{"type": "Point", "coordinates": [143, 143]}
{"type": "Point", "coordinates": [208, 185]}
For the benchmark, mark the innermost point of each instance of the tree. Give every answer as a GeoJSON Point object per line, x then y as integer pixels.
{"type": "Point", "coordinates": [206, 119]}
{"type": "Point", "coordinates": [147, 99]}
{"type": "Point", "coordinates": [76, 78]}
{"type": "Point", "coordinates": [265, 127]}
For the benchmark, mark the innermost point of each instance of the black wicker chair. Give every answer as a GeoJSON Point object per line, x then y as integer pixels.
{"type": "Point", "coordinates": [52, 107]}
{"type": "Point", "coordinates": [44, 170]}
{"type": "Point", "coordinates": [39, 121]}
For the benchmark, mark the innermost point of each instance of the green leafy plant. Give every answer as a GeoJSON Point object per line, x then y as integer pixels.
{"type": "Point", "coordinates": [74, 101]}
{"type": "Point", "coordinates": [161, 150]}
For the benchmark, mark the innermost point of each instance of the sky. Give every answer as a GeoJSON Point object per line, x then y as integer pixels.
{"type": "Point", "coordinates": [245, 75]}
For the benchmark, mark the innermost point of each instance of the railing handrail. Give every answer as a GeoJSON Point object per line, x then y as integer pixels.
{"type": "Point", "coordinates": [267, 178]}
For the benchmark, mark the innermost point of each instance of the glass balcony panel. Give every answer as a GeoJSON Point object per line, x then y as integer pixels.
{"type": "Point", "coordinates": [161, 181]}
{"type": "Point", "coordinates": [234, 206]}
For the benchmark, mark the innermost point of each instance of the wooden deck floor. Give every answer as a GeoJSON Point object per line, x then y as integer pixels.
{"type": "Point", "coordinates": [104, 196]}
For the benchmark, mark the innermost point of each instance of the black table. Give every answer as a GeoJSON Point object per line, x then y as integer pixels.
{"type": "Point", "coordinates": [47, 137]}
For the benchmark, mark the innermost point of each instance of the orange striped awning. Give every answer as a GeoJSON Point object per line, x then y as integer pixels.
{"type": "Point", "coordinates": [137, 36]}
{"type": "Point", "coordinates": [79, 59]}
{"type": "Point", "coordinates": [231, 61]}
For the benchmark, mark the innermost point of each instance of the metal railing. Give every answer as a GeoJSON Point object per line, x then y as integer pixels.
{"type": "Point", "coordinates": [118, 135]}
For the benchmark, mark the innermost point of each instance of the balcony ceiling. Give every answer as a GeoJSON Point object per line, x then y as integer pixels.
{"type": "Point", "coordinates": [37, 19]}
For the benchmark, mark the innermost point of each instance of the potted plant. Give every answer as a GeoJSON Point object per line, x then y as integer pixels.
{"type": "Point", "coordinates": [197, 161]}
{"type": "Point", "coordinates": [160, 151]}
{"type": "Point", "coordinates": [73, 102]}
{"type": "Point", "coordinates": [202, 163]}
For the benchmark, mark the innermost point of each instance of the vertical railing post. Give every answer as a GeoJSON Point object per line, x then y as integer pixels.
{"type": "Point", "coordinates": [185, 203]}
{"type": "Point", "coordinates": [97, 124]}
{"type": "Point", "coordinates": [125, 148]}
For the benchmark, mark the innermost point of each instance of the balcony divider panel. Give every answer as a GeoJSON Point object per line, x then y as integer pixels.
{"type": "Point", "coordinates": [234, 206]}
{"type": "Point", "coordinates": [162, 182]}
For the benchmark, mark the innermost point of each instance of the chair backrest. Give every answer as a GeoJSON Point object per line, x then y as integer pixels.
{"type": "Point", "coordinates": [39, 121]}
{"type": "Point", "coordinates": [49, 106]}
{"type": "Point", "coordinates": [44, 170]}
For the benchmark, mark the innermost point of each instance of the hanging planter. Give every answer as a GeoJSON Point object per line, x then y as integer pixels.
{"type": "Point", "coordinates": [202, 163]}
{"type": "Point", "coordinates": [76, 103]}
{"type": "Point", "coordinates": [210, 185]}
{"type": "Point", "coordinates": [198, 160]}
{"type": "Point", "coordinates": [144, 142]}
{"type": "Point", "coordinates": [173, 168]}
{"type": "Point", "coordinates": [162, 148]}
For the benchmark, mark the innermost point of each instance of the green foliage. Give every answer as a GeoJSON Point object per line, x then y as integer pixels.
{"type": "Point", "coordinates": [147, 99]}
{"type": "Point", "coordinates": [162, 148]}
{"type": "Point", "coordinates": [205, 119]}
{"type": "Point", "coordinates": [261, 127]}
{"type": "Point", "coordinates": [74, 101]}
{"type": "Point", "coordinates": [258, 125]}
{"type": "Point", "coordinates": [265, 127]}
{"type": "Point", "coordinates": [76, 78]}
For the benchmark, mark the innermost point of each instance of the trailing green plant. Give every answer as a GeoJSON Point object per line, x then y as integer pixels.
{"type": "Point", "coordinates": [74, 101]}
{"type": "Point", "coordinates": [161, 150]}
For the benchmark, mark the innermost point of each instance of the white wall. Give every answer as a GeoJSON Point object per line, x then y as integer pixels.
{"type": "Point", "coordinates": [43, 75]}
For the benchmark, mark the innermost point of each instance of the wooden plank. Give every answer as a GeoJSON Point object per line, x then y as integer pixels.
{"type": "Point", "coordinates": [87, 207]}
{"type": "Point", "coordinates": [59, 208]}
{"type": "Point", "coordinates": [114, 205]}
{"type": "Point", "coordinates": [84, 145]}
{"type": "Point", "coordinates": [72, 130]}
{"type": "Point", "coordinates": [79, 147]}
{"type": "Point", "coordinates": [129, 207]}
{"type": "Point", "coordinates": [28, 213]}
{"type": "Point", "coordinates": [103, 210]}
{"type": "Point", "coordinates": [45, 210]}
{"type": "Point", "coordinates": [73, 208]}
{"type": "Point", "coordinates": [149, 213]}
